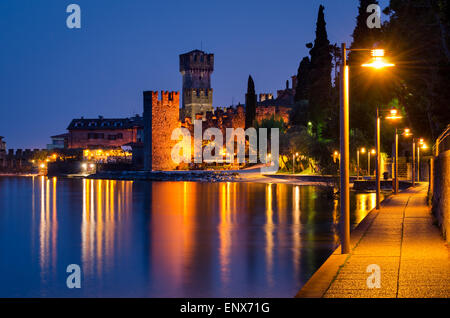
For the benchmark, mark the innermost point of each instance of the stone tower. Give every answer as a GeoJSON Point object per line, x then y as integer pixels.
{"type": "Point", "coordinates": [196, 68]}
{"type": "Point", "coordinates": [160, 119]}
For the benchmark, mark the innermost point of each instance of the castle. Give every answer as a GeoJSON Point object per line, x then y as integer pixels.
{"type": "Point", "coordinates": [162, 116]}
{"type": "Point", "coordinates": [196, 68]}
{"type": "Point", "coordinates": [150, 136]}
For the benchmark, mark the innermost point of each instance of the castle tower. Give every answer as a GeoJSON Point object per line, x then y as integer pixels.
{"type": "Point", "coordinates": [160, 119]}
{"type": "Point", "coordinates": [196, 68]}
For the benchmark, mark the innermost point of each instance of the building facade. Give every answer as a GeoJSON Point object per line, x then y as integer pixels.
{"type": "Point", "coordinates": [102, 132]}
{"type": "Point", "coordinates": [58, 142]}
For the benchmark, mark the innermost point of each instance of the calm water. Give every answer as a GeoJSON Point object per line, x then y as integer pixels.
{"type": "Point", "coordinates": [164, 239]}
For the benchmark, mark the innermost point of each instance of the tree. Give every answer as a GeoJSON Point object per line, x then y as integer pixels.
{"type": "Point", "coordinates": [417, 33]}
{"type": "Point", "coordinates": [250, 103]}
{"type": "Point", "coordinates": [320, 76]}
{"type": "Point", "coordinates": [302, 88]}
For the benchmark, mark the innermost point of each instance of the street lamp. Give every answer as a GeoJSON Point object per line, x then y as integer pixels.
{"type": "Point", "coordinates": [368, 160]}
{"type": "Point", "coordinates": [362, 150]}
{"type": "Point", "coordinates": [407, 132]}
{"type": "Point", "coordinates": [422, 145]}
{"type": "Point", "coordinates": [377, 63]}
{"type": "Point", "coordinates": [392, 115]}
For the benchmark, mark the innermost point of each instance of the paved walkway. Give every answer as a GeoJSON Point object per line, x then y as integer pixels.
{"type": "Point", "coordinates": [403, 241]}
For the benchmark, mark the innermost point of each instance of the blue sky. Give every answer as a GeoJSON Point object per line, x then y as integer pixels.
{"type": "Point", "coordinates": [50, 74]}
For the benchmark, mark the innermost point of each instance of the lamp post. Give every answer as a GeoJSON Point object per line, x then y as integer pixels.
{"type": "Point", "coordinates": [424, 146]}
{"type": "Point", "coordinates": [362, 150]}
{"type": "Point", "coordinates": [407, 133]}
{"type": "Point", "coordinates": [413, 163]}
{"type": "Point", "coordinates": [396, 163]}
{"type": "Point", "coordinates": [357, 164]}
{"type": "Point", "coordinates": [377, 162]}
{"type": "Point", "coordinates": [377, 63]}
{"type": "Point", "coordinates": [368, 160]}
{"type": "Point", "coordinates": [393, 115]}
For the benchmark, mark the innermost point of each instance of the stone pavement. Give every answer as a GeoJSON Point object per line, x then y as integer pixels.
{"type": "Point", "coordinates": [403, 241]}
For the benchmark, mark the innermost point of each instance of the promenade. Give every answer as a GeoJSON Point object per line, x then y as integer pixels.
{"type": "Point", "coordinates": [402, 241]}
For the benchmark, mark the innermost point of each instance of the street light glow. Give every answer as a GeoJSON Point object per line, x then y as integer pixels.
{"type": "Point", "coordinates": [378, 60]}
{"type": "Point", "coordinates": [363, 150]}
{"type": "Point", "coordinates": [394, 114]}
{"type": "Point", "coordinates": [373, 151]}
{"type": "Point", "coordinates": [377, 52]}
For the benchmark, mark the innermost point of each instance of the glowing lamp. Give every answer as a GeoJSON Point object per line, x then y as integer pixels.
{"type": "Point", "coordinates": [378, 60]}
{"type": "Point", "coordinates": [393, 114]}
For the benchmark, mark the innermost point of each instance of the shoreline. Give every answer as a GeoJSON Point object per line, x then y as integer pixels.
{"type": "Point", "coordinates": [252, 175]}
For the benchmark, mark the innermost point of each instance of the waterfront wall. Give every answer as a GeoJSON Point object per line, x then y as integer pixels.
{"type": "Point", "coordinates": [441, 192]}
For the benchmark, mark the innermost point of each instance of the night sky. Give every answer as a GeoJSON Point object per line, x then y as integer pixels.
{"type": "Point", "coordinates": [50, 74]}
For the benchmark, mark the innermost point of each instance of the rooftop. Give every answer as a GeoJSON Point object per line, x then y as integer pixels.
{"type": "Point", "coordinates": [105, 123]}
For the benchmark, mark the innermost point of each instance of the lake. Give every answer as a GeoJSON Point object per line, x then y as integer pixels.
{"type": "Point", "coordinates": [165, 239]}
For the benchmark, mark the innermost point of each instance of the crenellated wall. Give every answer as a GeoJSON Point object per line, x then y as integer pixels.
{"type": "Point", "coordinates": [161, 117]}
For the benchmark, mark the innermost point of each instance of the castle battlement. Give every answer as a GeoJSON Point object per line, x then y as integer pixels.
{"type": "Point", "coordinates": [265, 96]}
{"type": "Point", "coordinates": [167, 98]}
{"type": "Point", "coordinates": [196, 60]}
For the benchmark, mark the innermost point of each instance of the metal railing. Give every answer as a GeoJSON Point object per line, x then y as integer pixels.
{"type": "Point", "coordinates": [442, 142]}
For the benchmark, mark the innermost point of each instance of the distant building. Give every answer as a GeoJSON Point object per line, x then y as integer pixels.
{"type": "Point", "coordinates": [2, 152]}
{"type": "Point", "coordinates": [96, 133]}
{"type": "Point", "coordinates": [58, 142]}
{"type": "Point", "coordinates": [197, 96]}
{"type": "Point", "coordinates": [279, 107]}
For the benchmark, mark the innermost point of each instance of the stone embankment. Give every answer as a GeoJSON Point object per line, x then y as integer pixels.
{"type": "Point", "coordinates": [199, 176]}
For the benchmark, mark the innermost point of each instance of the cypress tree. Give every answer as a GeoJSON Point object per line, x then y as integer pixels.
{"type": "Point", "coordinates": [320, 75]}
{"type": "Point", "coordinates": [250, 103]}
{"type": "Point", "coordinates": [301, 90]}
{"type": "Point", "coordinates": [366, 86]}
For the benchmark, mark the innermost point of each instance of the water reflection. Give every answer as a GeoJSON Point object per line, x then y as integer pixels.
{"type": "Point", "coordinates": [171, 239]}
{"type": "Point", "coordinates": [105, 202]}
{"type": "Point", "coordinates": [268, 228]}
{"type": "Point", "coordinates": [48, 228]}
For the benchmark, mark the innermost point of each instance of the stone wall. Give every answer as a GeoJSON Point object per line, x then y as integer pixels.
{"type": "Point", "coordinates": [441, 192]}
{"type": "Point", "coordinates": [161, 117]}
{"type": "Point", "coordinates": [279, 112]}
